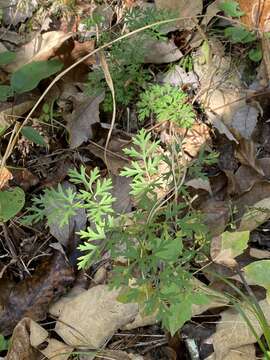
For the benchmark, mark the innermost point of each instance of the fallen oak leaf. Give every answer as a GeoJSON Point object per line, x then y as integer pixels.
{"type": "Point", "coordinates": [81, 120]}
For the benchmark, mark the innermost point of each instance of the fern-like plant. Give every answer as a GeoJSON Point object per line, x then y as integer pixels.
{"type": "Point", "coordinates": [166, 103]}
{"type": "Point", "coordinates": [157, 242]}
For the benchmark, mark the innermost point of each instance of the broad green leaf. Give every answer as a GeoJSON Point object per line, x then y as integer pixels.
{"type": "Point", "coordinates": [33, 135]}
{"type": "Point", "coordinates": [237, 241]}
{"type": "Point", "coordinates": [239, 35]}
{"type": "Point", "coordinates": [170, 250]}
{"type": "Point", "coordinates": [255, 54]}
{"type": "Point", "coordinates": [258, 273]}
{"type": "Point", "coordinates": [28, 77]}
{"type": "Point", "coordinates": [7, 57]}
{"type": "Point", "coordinates": [11, 202]}
{"type": "Point", "coordinates": [5, 92]}
{"type": "Point", "coordinates": [231, 8]}
{"type": "Point", "coordinates": [182, 311]}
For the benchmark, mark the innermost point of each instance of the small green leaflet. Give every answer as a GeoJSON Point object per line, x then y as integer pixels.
{"type": "Point", "coordinates": [33, 135]}
{"type": "Point", "coordinates": [239, 35]}
{"type": "Point", "coordinates": [5, 92]}
{"type": "Point", "coordinates": [3, 343]}
{"type": "Point", "coordinates": [255, 54]}
{"type": "Point", "coordinates": [11, 202]}
{"type": "Point", "coordinates": [7, 57]}
{"type": "Point", "coordinates": [182, 310]}
{"type": "Point", "coordinates": [28, 77]}
{"type": "Point", "coordinates": [231, 8]}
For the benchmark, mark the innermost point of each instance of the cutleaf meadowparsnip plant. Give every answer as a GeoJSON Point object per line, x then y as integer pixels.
{"type": "Point", "coordinates": [126, 58]}
{"type": "Point", "coordinates": [153, 247]}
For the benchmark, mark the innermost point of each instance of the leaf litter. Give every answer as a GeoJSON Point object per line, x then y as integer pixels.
{"type": "Point", "coordinates": [234, 200]}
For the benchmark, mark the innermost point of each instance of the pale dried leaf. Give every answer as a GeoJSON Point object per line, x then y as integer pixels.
{"type": "Point", "coordinates": [245, 120]}
{"type": "Point", "coordinates": [161, 52]}
{"type": "Point", "coordinates": [20, 347]}
{"type": "Point", "coordinates": [37, 334]}
{"type": "Point", "coordinates": [233, 332]}
{"type": "Point", "coordinates": [199, 183]}
{"type": "Point", "coordinates": [57, 350]}
{"type": "Point", "coordinates": [17, 11]}
{"type": "Point", "coordinates": [211, 11]}
{"type": "Point", "coordinates": [81, 120]}
{"type": "Point", "coordinates": [246, 352]}
{"type": "Point", "coordinates": [259, 254]}
{"type": "Point", "coordinates": [185, 9]}
{"type": "Point", "coordinates": [93, 316]}
{"type": "Point", "coordinates": [41, 47]}
{"type": "Point", "coordinates": [179, 77]}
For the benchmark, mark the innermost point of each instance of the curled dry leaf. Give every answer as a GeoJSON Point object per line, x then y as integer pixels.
{"type": "Point", "coordinates": [31, 297]}
{"type": "Point", "coordinates": [20, 347]}
{"type": "Point", "coordinates": [246, 352]}
{"type": "Point", "coordinates": [80, 122]}
{"type": "Point", "coordinates": [93, 316]}
{"type": "Point", "coordinates": [256, 215]}
{"type": "Point", "coordinates": [246, 154]}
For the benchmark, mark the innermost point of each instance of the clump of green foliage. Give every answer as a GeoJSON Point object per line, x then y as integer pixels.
{"type": "Point", "coordinates": [167, 103]}
{"type": "Point", "coordinates": [126, 58]}
{"type": "Point", "coordinates": [157, 242]}
{"type": "Point", "coordinates": [239, 34]}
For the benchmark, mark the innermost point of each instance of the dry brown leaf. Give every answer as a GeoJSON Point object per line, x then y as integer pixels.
{"type": "Point", "coordinates": [195, 138]}
{"type": "Point", "coordinates": [161, 52]}
{"type": "Point", "coordinates": [233, 332]}
{"type": "Point", "coordinates": [93, 316]}
{"type": "Point", "coordinates": [57, 350]}
{"type": "Point", "coordinates": [41, 47]}
{"type": "Point", "coordinates": [20, 346]}
{"type": "Point", "coordinates": [259, 254]}
{"type": "Point", "coordinates": [5, 176]}
{"type": "Point", "coordinates": [25, 179]}
{"type": "Point", "coordinates": [10, 112]}
{"type": "Point", "coordinates": [257, 14]}
{"type": "Point", "coordinates": [32, 296]}
{"type": "Point", "coordinates": [246, 153]}
{"type": "Point", "coordinates": [216, 216]}
{"type": "Point", "coordinates": [83, 117]}
{"type": "Point", "coordinates": [246, 352]}
{"type": "Point", "coordinates": [185, 9]}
